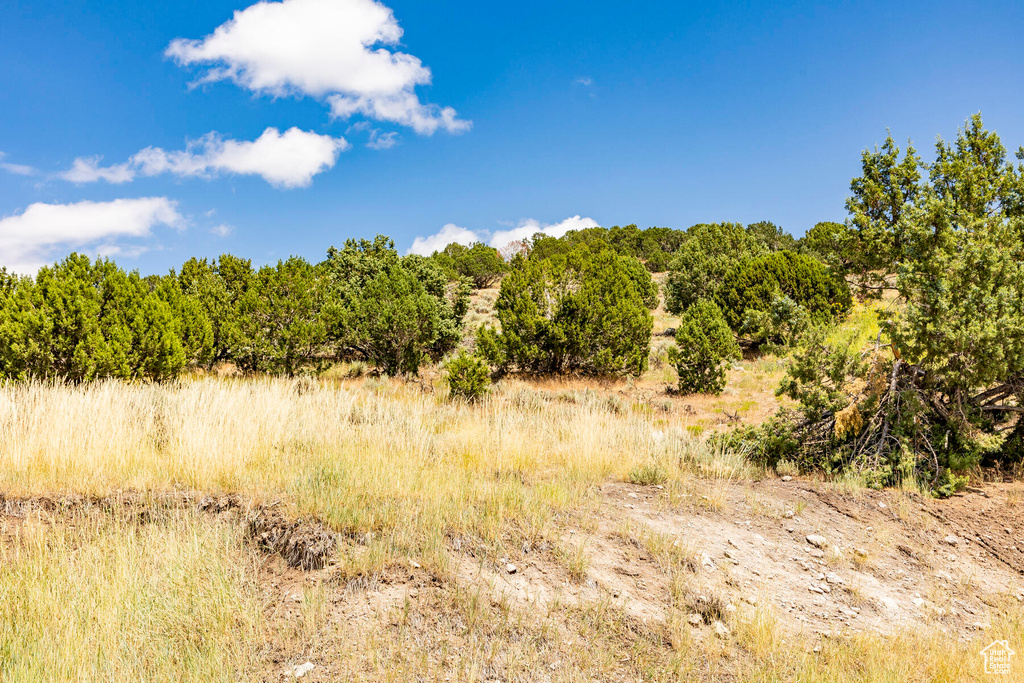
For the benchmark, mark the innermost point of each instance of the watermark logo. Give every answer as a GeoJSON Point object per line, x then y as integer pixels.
{"type": "Point", "coordinates": [997, 657]}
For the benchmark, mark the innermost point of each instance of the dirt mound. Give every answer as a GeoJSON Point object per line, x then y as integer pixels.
{"type": "Point", "coordinates": [303, 544]}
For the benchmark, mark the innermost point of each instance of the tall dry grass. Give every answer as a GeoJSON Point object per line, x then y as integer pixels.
{"type": "Point", "coordinates": [100, 599]}
{"type": "Point", "coordinates": [370, 456]}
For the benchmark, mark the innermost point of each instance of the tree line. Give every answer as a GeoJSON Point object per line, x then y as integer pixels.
{"type": "Point", "coordinates": [577, 304]}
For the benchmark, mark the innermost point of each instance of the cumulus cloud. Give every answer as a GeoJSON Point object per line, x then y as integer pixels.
{"type": "Point", "coordinates": [529, 227]}
{"type": "Point", "coordinates": [29, 240]}
{"type": "Point", "coordinates": [16, 169]}
{"type": "Point", "coordinates": [449, 234]}
{"type": "Point", "coordinates": [524, 230]}
{"type": "Point", "coordinates": [285, 160]}
{"type": "Point", "coordinates": [333, 50]}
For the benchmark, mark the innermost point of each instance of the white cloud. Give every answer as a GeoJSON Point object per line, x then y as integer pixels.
{"type": "Point", "coordinates": [29, 239]}
{"type": "Point", "coordinates": [524, 230]}
{"type": "Point", "coordinates": [336, 50]}
{"type": "Point", "coordinates": [285, 160]}
{"type": "Point", "coordinates": [222, 230]}
{"type": "Point", "coordinates": [88, 170]}
{"type": "Point", "coordinates": [449, 234]}
{"type": "Point", "coordinates": [16, 169]}
{"type": "Point", "coordinates": [381, 140]}
{"type": "Point", "coordinates": [529, 227]}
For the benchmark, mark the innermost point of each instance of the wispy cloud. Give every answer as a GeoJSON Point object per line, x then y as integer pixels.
{"type": "Point", "coordinates": [587, 84]}
{"type": "Point", "coordinates": [285, 160]}
{"type": "Point", "coordinates": [16, 169]}
{"type": "Point", "coordinates": [31, 239]}
{"type": "Point", "coordinates": [333, 50]}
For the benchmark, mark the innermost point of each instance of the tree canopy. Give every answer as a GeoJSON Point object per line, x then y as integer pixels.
{"type": "Point", "coordinates": [947, 390]}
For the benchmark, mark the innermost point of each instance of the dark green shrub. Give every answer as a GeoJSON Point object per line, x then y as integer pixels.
{"type": "Point", "coordinates": [831, 243]}
{"type": "Point", "coordinates": [78, 321]}
{"type": "Point", "coordinates": [482, 264]}
{"type": "Point", "coordinates": [467, 376]}
{"type": "Point", "coordinates": [755, 284]}
{"type": "Point", "coordinates": [704, 343]}
{"type": "Point", "coordinates": [770, 442]}
{"type": "Point", "coordinates": [282, 320]}
{"type": "Point", "coordinates": [391, 311]}
{"type": "Point", "coordinates": [771, 236]}
{"type": "Point", "coordinates": [702, 264]}
{"type": "Point", "coordinates": [779, 327]}
{"type": "Point", "coordinates": [585, 311]}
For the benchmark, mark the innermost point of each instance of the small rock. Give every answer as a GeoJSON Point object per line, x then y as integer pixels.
{"type": "Point", "coordinates": [815, 589]}
{"type": "Point", "coordinates": [787, 478]}
{"type": "Point", "coordinates": [732, 543]}
{"type": "Point", "coordinates": [918, 602]}
{"type": "Point", "coordinates": [721, 630]}
{"type": "Point", "coordinates": [814, 552]}
{"type": "Point", "coordinates": [951, 539]}
{"type": "Point", "coordinates": [511, 568]}
{"type": "Point", "coordinates": [730, 608]}
{"type": "Point", "coordinates": [817, 541]}
{"type": "Point", "coordinates": [881, 505]}
{"type": "Point", "coordinates": [300, 670]}
{"type": "Point", "coordinates": [860, 552]}
{"type": "Point", "coordinates": [414, 564]}
{"type": "Point", "coordinates": [790, 529]}
{"type": "Point", "coordinates": [834, 579]}
{"type": "Point", "coordinates": [731, 555]}
{"type": "Point", "coordinates": [788, 514]}
{"type": "Point", "coordinates": [695, 620]}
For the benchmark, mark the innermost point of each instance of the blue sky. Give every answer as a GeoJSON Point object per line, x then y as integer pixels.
{"type": "Point", "coordinates": [483, 117]}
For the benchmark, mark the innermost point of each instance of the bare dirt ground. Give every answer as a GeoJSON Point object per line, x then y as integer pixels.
{"type": "Point", "coordinates": [824, 561]}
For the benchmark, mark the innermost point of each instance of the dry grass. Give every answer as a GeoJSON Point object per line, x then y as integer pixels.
{"type": "Point", "coordinates": [101, 599]}
{"type": "Point", "coordinates": [178, 596]}
{"type": "Point", "coordinates": [363, 456]}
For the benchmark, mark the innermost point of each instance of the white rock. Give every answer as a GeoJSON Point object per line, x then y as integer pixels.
{"type": "Point", "coordinates": [787, 478]}
{"type": "Point", "coordinates": [834, 579]}
{"type": "Point", "coordinates": [696, 620]}
{"type": "Point", "coordinates": [721, 630]}
{"type": "Point", "coordinates": [951, 539]}
{"type": "Point", "coordinates": [300, 670]}
{"type": "Point", "coordinates": [511, 568]}
{"type": "Point", "coordinates": [817, 541]}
